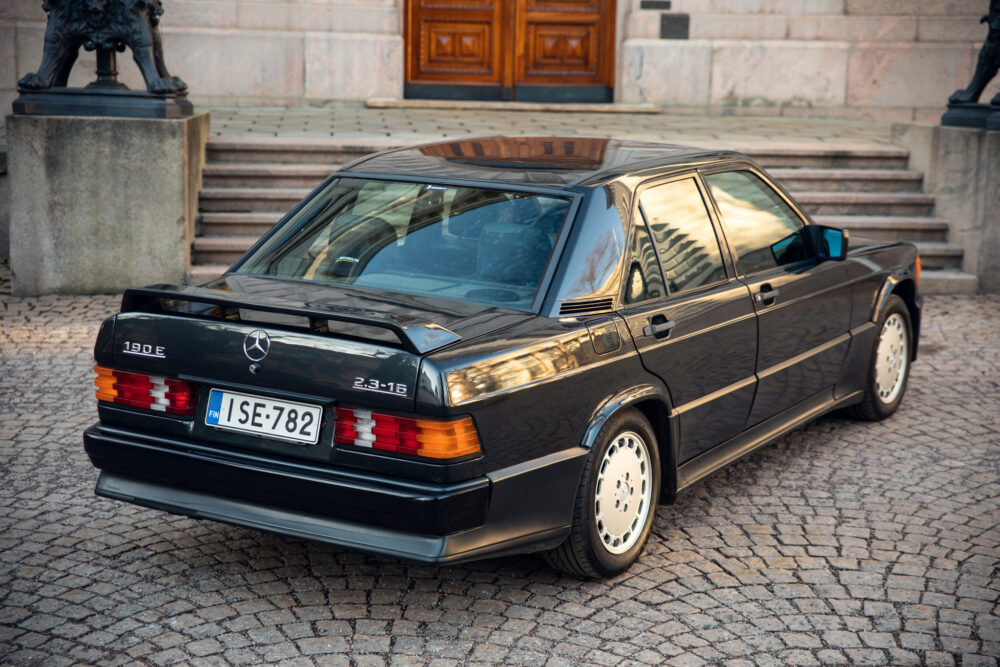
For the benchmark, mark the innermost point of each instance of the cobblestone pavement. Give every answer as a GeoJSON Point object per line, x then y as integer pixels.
{"type": "Point", "coordinates": [842, 543]}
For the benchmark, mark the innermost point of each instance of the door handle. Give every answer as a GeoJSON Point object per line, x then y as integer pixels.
{"type": "Point", "coordinates": [766, 295]}
{"type": "Point", "coordinates": [658, 327]}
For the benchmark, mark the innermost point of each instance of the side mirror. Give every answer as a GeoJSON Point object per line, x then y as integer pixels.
{"type": "Point", "coordinates": [826, 242]}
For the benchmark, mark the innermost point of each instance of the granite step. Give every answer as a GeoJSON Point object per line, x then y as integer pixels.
{"type": "Point", "coordinates": [847, 180]}
{"type": "Point", "coordinates": [939, 255]}
{"type": "Point", "coordinates": [220, 249]}
{"type": "Point", "coordinates": [948, 281]}
{"type": "Point", "coordinates": [868, 156]}
{"type": "Point", "coordinates": [328, 152]}
{"type": "Point", "coordinates": [203, 273]}
{"type": "Point", "coordinates": [229, 223]}
{"type": "Point", "coordinates": [866, 203]}
{"type": "Point", "coordinates": [285, 175]}
{"type": "Point", "coordinates": [250, 199]}
{"type": "Point", "coordinates": [265, 174]}
{"type": "Point", "coordinates": [889, 228]}
{"type": "Point", "coordinates": [333, 152]}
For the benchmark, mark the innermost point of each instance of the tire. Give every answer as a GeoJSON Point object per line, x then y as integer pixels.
{"type": "Point", "coordinates": [615, 502]}
{"type": "Point", "coordinates": [889, 365]}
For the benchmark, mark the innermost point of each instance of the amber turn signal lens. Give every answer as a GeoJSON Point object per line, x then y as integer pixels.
{"type": "Point", "coordinates": [917, 278]}
{"type": "Point", "coordinates": [105, 382]}
{"type": "Point", "coordinates": [447, 440]}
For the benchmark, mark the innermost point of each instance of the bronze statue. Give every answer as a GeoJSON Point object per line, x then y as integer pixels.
{"type": "Point", "coordinates": [107, 26]}
{"type": "Point", "coordinates": [989, 62]}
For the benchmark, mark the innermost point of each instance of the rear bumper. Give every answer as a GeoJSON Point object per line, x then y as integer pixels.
{"type": "Point", "coordinates": [523, 508]}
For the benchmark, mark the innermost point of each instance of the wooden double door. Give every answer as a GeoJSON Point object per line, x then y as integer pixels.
{"type": "Point", "coordinates": [529, 50]}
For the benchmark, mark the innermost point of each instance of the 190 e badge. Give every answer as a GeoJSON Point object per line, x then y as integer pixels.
{"type": "Point", "coordinates": [144, 350]}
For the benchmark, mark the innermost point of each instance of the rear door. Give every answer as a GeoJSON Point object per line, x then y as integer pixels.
{"type": "Point", "coordinates": [693, 323]}
{"type": "Point", "coordinates": [803, 305]}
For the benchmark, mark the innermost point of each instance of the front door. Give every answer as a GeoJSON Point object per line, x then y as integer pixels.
{"type": "Point", "coordinates": [529, 50]}
{"type": "Point", "coordinates": [802, 304]}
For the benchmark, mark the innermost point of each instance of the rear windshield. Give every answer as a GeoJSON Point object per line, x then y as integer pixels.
{"type": "Point", "coordinates": [469, 244]}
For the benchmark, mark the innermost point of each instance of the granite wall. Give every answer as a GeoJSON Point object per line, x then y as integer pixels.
{"type": "Point", "coordinates": [891, 59]}
{"type": "Point", "coordinates": [280, 52]}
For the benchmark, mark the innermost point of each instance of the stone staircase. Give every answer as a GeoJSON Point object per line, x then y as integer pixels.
{"type": "Point", "coordinates": [249, 185]}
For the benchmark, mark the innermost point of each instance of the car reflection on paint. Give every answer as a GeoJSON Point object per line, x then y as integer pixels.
{"type": "Point", "coordinates": [495, 346]}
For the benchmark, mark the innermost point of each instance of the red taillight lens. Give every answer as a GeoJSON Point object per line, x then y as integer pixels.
{"type": "Point", "coordinates": [406, 435]}
{"type": "Point", "coordinates": [179, 401]}
{"type": "Point", "coordinates": [152, 392]}
{"type": "Point", "coordinates": [134, 389]}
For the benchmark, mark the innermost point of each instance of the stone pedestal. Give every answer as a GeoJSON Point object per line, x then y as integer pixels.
{"type": "Point", "coordinates": [961, 168]}
{"type": "Point", "coordinates": [966, 115]}
{"type": "Point", "coordinates": [4, 208]}
{"type": "Point", "coordinates": [101, 204]}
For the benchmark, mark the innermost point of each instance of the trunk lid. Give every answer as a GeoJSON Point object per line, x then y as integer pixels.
{"type": "Point", "coordinates": [322, 338]}
{"type": "Point", "coordinates": [324, 345]}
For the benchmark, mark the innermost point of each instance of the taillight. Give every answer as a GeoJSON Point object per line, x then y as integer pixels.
{"type": "Point", "coordinates": [917, 277]}
{"type": "Point", "coordinates": [404, 435]}
{"type": "Point", "coordinates": [152, 392]}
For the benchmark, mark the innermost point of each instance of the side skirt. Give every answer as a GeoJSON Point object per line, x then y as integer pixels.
{"type": "Point", "coordinates": [762, 434]}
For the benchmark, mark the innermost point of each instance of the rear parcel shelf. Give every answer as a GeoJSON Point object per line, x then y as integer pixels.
{"type": "Point", "coordinates": [355, 323]}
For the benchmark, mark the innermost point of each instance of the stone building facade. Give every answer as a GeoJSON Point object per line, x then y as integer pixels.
{"type": "Point", "coordinates": [888, 59]}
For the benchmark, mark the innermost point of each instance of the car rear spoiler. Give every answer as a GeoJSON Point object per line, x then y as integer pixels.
{"type": "Point", "coordinates": [413, 336]}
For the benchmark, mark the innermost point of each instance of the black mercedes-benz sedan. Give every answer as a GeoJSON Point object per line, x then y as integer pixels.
{"type": "Point", "coordinates": [499, 345]}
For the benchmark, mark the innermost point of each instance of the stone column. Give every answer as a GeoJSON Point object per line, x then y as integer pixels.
{"type": "Point", "coordinates": [101, 204]}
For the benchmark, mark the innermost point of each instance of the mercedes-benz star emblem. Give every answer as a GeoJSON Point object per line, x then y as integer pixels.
{"type": "Point", "coordinates": [256, 345]}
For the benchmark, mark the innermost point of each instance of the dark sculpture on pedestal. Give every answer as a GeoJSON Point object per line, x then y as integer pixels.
{"type": "Point", "coordinates": [107, 26]}
{"type": "Point", "coordinates": [963, 106]}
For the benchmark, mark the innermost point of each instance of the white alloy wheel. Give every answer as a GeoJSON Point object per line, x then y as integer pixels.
{"type": "Point", "coordinates": [891, 358]}
{"type": "Point", "coordinates": [623, 494]}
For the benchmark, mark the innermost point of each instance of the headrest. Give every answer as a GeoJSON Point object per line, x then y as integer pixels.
{"type": "Point", "coordinates": [512, 253]}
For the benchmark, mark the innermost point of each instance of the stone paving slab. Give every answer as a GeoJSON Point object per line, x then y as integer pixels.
{"type": "Point", "coordinates": [842, 543]}
{"type": "Point", "coordinates": [406, 125]}
{"type": "Point", "coordinates": [412, 125]}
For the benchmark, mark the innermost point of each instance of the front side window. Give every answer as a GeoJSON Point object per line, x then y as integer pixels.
{"type": "Point", "coordinates": [468, 244]}
{"type": "Point", "coordinates": [684, 235]}
{"type": "Point", "coordinates": [762, 229]}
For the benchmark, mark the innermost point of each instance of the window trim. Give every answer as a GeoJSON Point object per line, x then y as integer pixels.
{"type": "Point", "coordinates": [704, 172]}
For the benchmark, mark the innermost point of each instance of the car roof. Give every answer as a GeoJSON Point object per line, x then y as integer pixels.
{"type": "Point", "coordinates": [549, 161]}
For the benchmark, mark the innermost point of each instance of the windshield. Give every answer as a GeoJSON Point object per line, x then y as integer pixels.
{"type": "Point", "coordinates": [469, 244]}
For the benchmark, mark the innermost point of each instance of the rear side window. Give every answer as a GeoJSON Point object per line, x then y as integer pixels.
{"type": "Point", "coordinates": [684, 235]}
{"type": "Point", "coordinates": [762, 229]}
{"type": "Point", "coordinates": [643, 281]}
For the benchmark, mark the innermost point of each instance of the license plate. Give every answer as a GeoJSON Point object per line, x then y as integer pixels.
{"type": "Point", "coordinates": [269, 417]}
